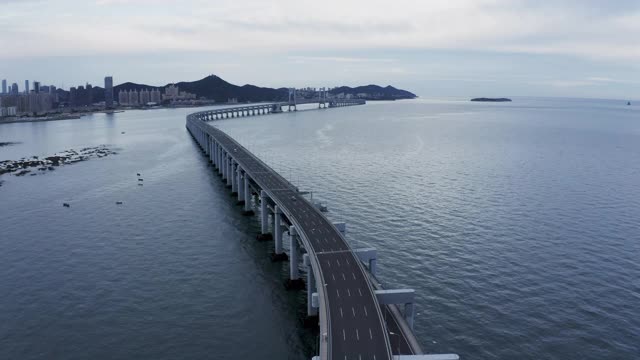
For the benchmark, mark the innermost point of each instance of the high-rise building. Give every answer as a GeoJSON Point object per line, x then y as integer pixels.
{"type": "Point", "coordinates": [108, 91]}
{"type": "Point", "coordinates": [133, 97]}
{"type": "Point", "coordinates": [26, 86]}
{"type": "Point", "coordinates": [123, 97]}
{"type": "Point", "coordinates": [14, 89]}
{"type": "Point", "coordinates": [36, 86]}
{"type": "Point", "coordinates": [4, 86]}
{"type": "Point", "coordinates": [156, 96]}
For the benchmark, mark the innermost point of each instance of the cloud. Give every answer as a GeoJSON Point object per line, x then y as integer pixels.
{"type": "Point", "coordinates": [588, 29]}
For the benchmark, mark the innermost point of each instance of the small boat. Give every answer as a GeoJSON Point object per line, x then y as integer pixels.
{"type": "Point", "coordinates": [628, 103]}
{"type": "Point", "coordinates": [138, 174]}
{"type": "Point", "coordinates": [118, 202]}
{"type": "Point", "coordinates": [66, 205]}
{"type": "Point", "coordinates": [140, 179]}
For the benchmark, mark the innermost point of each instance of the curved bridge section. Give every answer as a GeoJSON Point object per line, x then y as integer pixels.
{"type": "Point", "coordinates": [351, 322]}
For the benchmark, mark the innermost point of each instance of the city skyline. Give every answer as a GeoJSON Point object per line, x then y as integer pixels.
{"type": "Point", "coordinates": [443, 48]}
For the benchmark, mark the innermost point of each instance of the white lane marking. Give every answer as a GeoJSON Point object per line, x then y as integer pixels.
{"type": "Point", "coordinates": [365, 311]}
{"type": "Point", "coordinates": [354, 276]}
{"type": "Point", "coordinates": [349, 292]}
{"type": "Point", "coordinates": [341, 314]}
{"type": "Point", "coordinates": [328, 263]}
{"type": "Point", "coordinates": [348, 262]}
{"type": "Point", "coordinates": [334, 277]}
{"type": "Point", "coordinates": [344, 277]}
{"type": "Point", "coordinates": [370, 334]}
{"type": "Point", "coordinates": [338, 261]}
{"type": "Point", "coordinates": [338, 292]}
{"type": "Point", "coordinates": [344, 335]}
{"type": "Point", "coordinates": [359, 292]}
{"type": "Point", "coordinates": [357, 335]}
{"type": "Point", "coordinates": [353, 310]}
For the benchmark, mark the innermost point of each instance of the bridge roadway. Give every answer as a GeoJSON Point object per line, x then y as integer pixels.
{"type": "Point", "coordinates": [353, 321]}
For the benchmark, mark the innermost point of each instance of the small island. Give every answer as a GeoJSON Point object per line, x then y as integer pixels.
{"type": "Point", "coordinates": [491, 99]}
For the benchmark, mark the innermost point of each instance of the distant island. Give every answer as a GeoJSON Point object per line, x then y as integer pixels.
{"type": "Point", "coordinates": [491, 99]}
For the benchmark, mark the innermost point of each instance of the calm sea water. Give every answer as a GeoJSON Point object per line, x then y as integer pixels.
{"type": "Point", "coordinates": [518, 225]}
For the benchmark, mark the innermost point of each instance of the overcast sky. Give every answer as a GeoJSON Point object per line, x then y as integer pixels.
{"type": "Point", "coordinates": [581, 48]}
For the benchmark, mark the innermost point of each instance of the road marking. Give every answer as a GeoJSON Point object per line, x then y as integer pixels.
{"type": "Point", "coordinates": [349, 292]}
{"type": "Point", "coordinates": [353, 310]}
{"type": "Point", "coordinates": [360, 292]}
{"type": "Point", "coordinates": [341, 314]}
{"type": "Point", "coordinates": [357, 335]}
{"type": "Point", "coordinates": [370, 334]}
{"type": "Point", "coordinates": [344, 335]}
{"type": "Point", "coordinates": [354, 277]}
{"type": "Point", "coordinates": [365, 311]}
{"type": "Point", "coordinates": [348, 262]}
{"type": "Point", "coordinates": [344, 277]}
{"type": "Point", "coordinates": [328, 263]}
{"type": "Point", "coordinates": [338, 261]}
{"type": "Point", "coordinates": [338, 292]}
{"type": "Point", "coordinates": [334, 277]}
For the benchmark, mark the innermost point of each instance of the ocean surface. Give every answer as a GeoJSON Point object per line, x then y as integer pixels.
{"type": "Point", "coordinates": [518, 225]}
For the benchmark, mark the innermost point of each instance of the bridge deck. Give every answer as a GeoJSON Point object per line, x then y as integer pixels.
{"type": "Point", "coordinates": [357, 329]}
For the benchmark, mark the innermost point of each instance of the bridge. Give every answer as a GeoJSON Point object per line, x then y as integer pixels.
{"type": "Point", "coordinates": [357, 318]}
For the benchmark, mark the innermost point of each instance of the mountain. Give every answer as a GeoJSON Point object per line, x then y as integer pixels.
{"type": "Point", "coordinates": [374, 92]}
{"type": "Point", "coordinates": [213, 87]}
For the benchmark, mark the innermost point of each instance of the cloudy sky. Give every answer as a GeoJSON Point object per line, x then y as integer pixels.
{"type": "Point", "coordinates": [581, 48]}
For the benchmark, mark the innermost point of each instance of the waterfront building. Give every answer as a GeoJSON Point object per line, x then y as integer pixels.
{"type": "Point", "coordinates": [4, 86]}
{"type": "Point", "coordinates": [123, 97]}
{"type": "Point", "coordinates": [133, 97]}
{"type": "Point", "coordinates": [108, 91]}
{"type": "Point", "coordinates": [36, 86]}
{"type": "Point", "coordinates": [156, 96]}
{"type": "Point", "coordinates": [144, 97]}
{"type": "Point", "coordinates": [26, 86]}
{"type": "Point", "coordinates": [14, 89]}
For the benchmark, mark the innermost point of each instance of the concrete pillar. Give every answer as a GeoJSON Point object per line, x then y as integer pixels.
{"type": "Point", "coordinates": [239, 184]}
{"type": "Point", "coordinates": [264, 212]}
{"type": "Point", "coordinates": [277, 229]}
{"type": "Point", "coordinates": [293, 256]}
{"type": "Point", "coordinates": [229, 170]}
{"type": "Point", "coordinates": [247, 193]}
{"type": "Point", "coordinates": [234, 176]}
{"type": "Point", "coordinates": [220, 160]}
{"type": "Point", "coordinates": [311, 286]}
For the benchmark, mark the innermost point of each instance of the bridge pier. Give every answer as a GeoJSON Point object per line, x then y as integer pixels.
{"type": "Point", "coordinates": [234, 177]}
{"type": "Point", "coordinates": [247, 196]}
{"type": "Point", "coordinates": [229, 170]}
{"type": "Point", "coordinates": [239, 185]}
{"type": "Point", "coordinates": [264, 217]}
{"type": "Point", "coordinates": [278, 253]}
{"type": "Point", "coordinates": [311, 286]}
{"type": "Point", "coordinates": [294, 282]}
{"type": "Point", "coordinates": [399, 297]}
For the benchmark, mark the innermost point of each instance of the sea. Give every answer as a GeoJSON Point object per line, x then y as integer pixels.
{"type": "Point", "coordinates": [517, 225]}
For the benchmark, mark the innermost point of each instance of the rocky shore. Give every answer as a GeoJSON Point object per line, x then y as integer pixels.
{"type": "Point", "coordinates": [26, 166]}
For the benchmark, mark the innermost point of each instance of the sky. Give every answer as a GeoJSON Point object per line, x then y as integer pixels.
{"type": "Point", "coordinates": [434, 48]}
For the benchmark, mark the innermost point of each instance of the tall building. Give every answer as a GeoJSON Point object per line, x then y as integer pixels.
{"type": "Point", "coordinates": [108, 91]}
{"type": "Point", "coordinates": [14, 89]}
{"type": "Point", "coordinates": [133, 97]}
{"type": "Point", "coordinates": [26, 86]}
{"type": "Point", "coordinates": [156, 96]}
{"type": "Point", "coordinates": [4, 86]}
{"type": "Point", "coordinates": [36, 86]}
{"type": "Point", "coordinates": [123, 97]}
